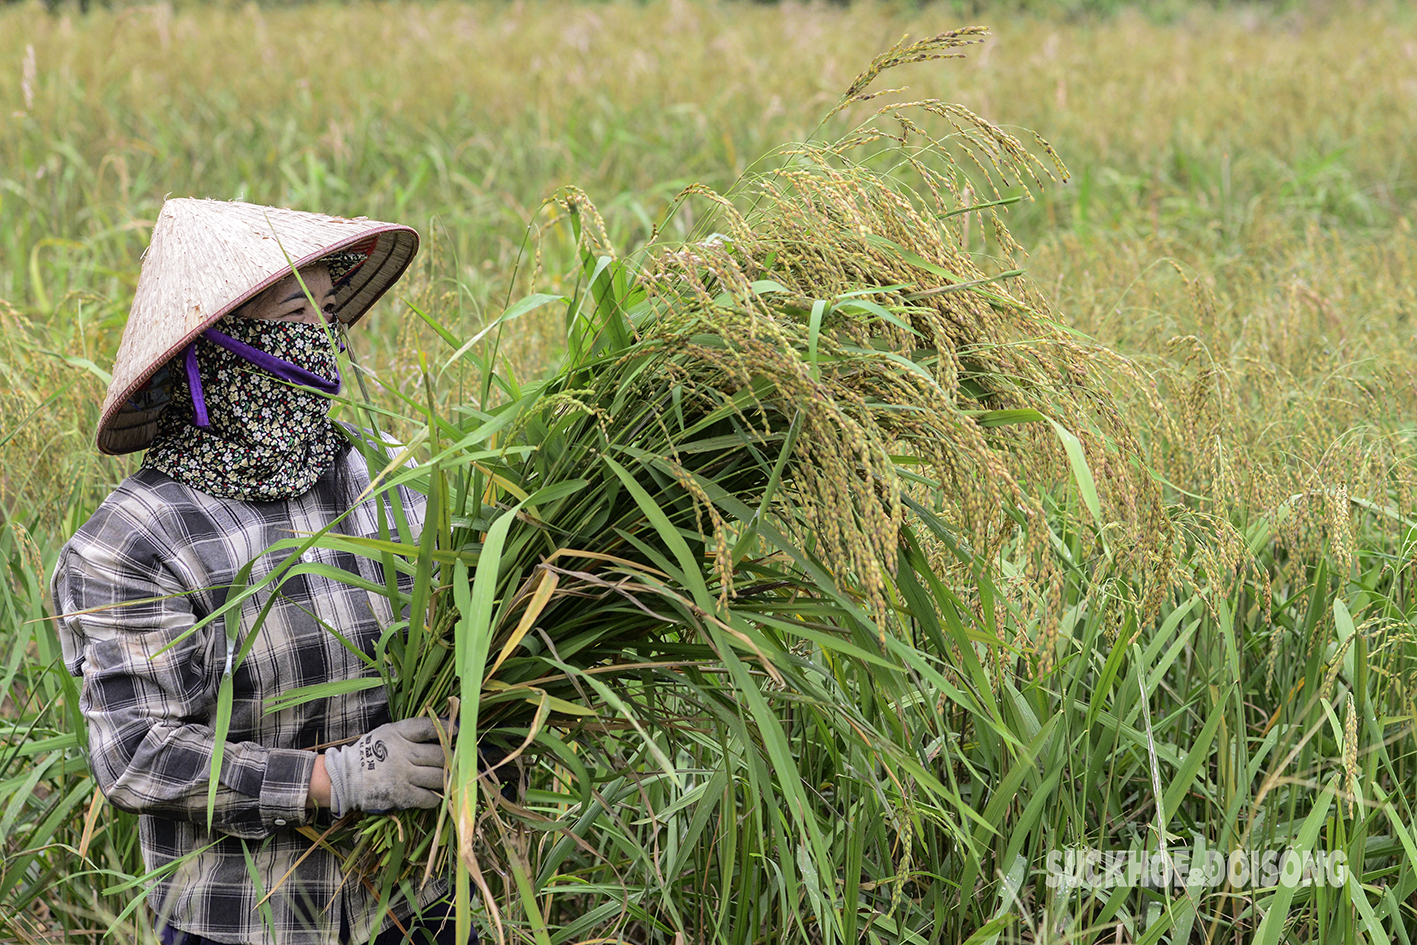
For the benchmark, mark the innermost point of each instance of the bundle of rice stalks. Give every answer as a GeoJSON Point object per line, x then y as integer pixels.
{"type": "Point", "coordinates": [707, 569]}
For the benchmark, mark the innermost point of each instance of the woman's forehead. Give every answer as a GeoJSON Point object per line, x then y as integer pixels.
{"type": "Point", "coordinates": [315, 275]}
{"type": "Point", "coordinates": [317, 280]}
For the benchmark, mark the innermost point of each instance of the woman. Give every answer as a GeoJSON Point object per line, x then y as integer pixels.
{"type": "Point", "coordinates": [242, 456]}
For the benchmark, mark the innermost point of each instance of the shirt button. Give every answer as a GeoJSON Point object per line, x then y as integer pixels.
{"type": "Point", "coordinates": [308, 557]}
{"type": "Point", "coordinates": [279, 822]}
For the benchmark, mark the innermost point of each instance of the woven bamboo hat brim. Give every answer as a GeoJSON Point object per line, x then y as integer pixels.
{"type": "Point", "coordinates": [209, 256]}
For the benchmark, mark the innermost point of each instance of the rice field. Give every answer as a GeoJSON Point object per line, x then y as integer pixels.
{"type": "Point", "coordinates": [1193, 634]}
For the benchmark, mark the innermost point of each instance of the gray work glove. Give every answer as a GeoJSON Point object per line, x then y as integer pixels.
{"type": "Point", "coordinates": [394, 767]}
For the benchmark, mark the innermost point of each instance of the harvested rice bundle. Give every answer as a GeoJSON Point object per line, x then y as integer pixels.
{"type": "Point", "coordinates": [682, 548]}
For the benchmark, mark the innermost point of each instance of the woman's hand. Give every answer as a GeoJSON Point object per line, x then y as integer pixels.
{"type": "Point", "coordinates": [395, 767]}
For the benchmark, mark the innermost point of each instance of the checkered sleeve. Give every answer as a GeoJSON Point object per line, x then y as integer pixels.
{"type": "Point", "coordinates": [150, 688]}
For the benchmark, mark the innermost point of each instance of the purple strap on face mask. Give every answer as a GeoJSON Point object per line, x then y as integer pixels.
{"type": "Point", "coordinates": [194, 382]}
{"type": "Point", "coordinates": [264, 360]}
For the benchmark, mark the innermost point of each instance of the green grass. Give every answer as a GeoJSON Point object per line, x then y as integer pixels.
{"type": "Point", "coordinates": [1238, 224]}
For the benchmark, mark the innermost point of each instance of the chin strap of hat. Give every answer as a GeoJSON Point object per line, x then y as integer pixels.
{"type": "Point", "coordinates": [267, 362]}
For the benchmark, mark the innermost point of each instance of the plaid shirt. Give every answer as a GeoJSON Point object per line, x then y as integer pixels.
{"type": "Point", "coordinates": [168, 553]}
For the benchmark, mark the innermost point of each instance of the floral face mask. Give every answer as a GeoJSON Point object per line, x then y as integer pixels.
{"type": "Point", "coordinates": [235, 429]}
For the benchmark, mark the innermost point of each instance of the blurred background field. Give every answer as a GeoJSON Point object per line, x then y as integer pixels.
{"type": "Point", "coordinates": [1267, 151]}
{"type": "Point", "coordinates": [1238, 220]}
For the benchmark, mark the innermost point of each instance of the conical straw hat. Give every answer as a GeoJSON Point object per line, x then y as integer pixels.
{"type": "Point", "coordinates": [209, 256]}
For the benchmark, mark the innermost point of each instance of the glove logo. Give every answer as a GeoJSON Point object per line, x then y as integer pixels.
{"type": "Point", "coordinates": [380, 752]}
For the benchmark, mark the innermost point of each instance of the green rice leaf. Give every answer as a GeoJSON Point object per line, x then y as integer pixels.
{"type": "Point", "coordinates": [1082, 473]}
